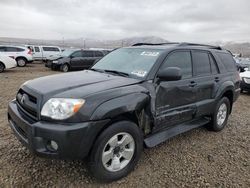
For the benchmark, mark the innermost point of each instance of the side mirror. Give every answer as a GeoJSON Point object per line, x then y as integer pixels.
{"type": "Point", "coordinates": [170, 74]}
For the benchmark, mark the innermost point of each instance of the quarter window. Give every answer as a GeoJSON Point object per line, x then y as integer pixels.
{"type": "Point", "coordinates": [181, 60]}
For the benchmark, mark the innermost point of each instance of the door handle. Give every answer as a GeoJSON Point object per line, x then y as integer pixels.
{"type": "Point", "coordinates": [216, 79]}
{"type": "Point", "coordinates": [192, 84]}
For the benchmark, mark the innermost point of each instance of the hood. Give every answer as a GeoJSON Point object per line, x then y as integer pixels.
{"type": "Point", "coordinates": [245, 74]}
{"type": "Point", "coordinates": [77, 84]}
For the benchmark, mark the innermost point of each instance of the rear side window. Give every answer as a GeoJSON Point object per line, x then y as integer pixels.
{"type": "Point", "coordinates": [181, 60]}
{"type": "Point", "coordinates": [201, 63]}
{"type": "Point", "coordinates": [88, 53]}
{"type": "Point", "coordinates": [227, 61]}
{"type": "Point", "coordinates": [51, 49]}
{"type": "Point", "coordinates": [98, 54]}
{"type": "Point", "coordinates": [37, 49]}
{"type": "Point", "coordinates": [20, 49]}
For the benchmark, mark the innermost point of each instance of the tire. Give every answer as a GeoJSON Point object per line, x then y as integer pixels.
{"type": "Point", "coordinates": [65, 68]}
{"type": "Point", "coordinates": [2, 67]}
{"type": "Point", "coordinates": [104, 168]}
{"type": "Point", "coordinates": [221, 114]}
{"type": "Point", "coordinates": [21, 62]}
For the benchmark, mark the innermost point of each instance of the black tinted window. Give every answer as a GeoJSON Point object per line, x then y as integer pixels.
{"type": "Point", "coordinates": [181, 60]}
{"type": "Point", "coordinates": [98, 54]}
{"type": "Point", "coordinates": [201, 63]}
{"type": "Point", "coordinates": [51, 49]}
{"type": "Point", "coordinates": [12, 49]}
{"type": "Point", "coordinates": [77, 54]}
{"type": "Point", "coordinates": [88, 53]}
{"type": "Point", "coordinates": [37, 49]}
{"type": "Point", "coordinates": [214, 68]}
{"type": "Point", "coordinates": [2, 49]}
{"type": "Point", "coordinates": [227, 61]}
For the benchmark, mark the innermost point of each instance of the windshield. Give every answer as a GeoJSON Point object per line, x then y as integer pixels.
{"type": "Point", "coordinates": [66, 53]}
{"type": "Point", "coordinates": [132, 61]}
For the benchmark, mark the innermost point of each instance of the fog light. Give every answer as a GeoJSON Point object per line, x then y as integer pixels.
{"type": "Point", "coordinates": [52, 145]}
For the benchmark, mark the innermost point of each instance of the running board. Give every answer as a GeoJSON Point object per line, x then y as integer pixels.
{"type": "Point", "coordinates": [162, 136]}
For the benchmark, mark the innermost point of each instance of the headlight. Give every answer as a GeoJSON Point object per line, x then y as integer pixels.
{"type": "Point", "coordinates": [55, 61]}
{"type": "Point", "coordinates": [61, 108]}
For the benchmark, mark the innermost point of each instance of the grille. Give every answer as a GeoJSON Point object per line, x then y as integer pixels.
{"type": "Point", "coordinates": [27, 103]}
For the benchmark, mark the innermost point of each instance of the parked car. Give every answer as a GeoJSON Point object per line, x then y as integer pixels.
{"type": "Point", "coordinates": [77, 60]}
{"type": "Point", "coordinates": [65, 53]}
{"type": "Point", "coordinates": [44, 52]}
{"type": "Point", "coordinates": [21, 54]}
{"type": "Point", "coordinates": [245, 79]}
{"type": "Point", "coordinates": [133, 97]}
{"type": "Point", "coordinates": [242, 63]}
{"type": "Point", "coordinates": [7, 62]}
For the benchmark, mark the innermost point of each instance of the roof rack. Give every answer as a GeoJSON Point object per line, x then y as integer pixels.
{"type": "Point", "coordinates": [203, 45]}
{"type": "Point", "coordinates": [154, 44]}
{"type": "Point", "coordinates": [179, 44]}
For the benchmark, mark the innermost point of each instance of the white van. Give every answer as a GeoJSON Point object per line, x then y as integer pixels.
{"type": "Point", "coordinates": [44, 52]}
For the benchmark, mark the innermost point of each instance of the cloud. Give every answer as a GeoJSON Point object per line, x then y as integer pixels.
{"type": "Point", "coordinates": [178, 20]}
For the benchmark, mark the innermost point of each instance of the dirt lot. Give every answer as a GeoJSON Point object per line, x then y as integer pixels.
{"type": "Point", "coordinates": [195, 159]}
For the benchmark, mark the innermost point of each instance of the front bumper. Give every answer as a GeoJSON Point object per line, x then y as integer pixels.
{"type": "Point", "coordinates": [55, 66]}
{"type": "Point", "coordinates": [244, 86]}
{"type": "Point", "coordinates": [74, 140]}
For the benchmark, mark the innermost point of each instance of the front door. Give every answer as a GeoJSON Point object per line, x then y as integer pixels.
{"type": "Point", "coordinates": [175, 100]}
{"type": "Point", "coordinates": [76, 60]}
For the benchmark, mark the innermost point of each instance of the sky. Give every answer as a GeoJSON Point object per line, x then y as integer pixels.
{"type": "Point", "coordinates": [176, 20]}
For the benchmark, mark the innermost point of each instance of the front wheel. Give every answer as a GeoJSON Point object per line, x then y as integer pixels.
{"type": "Point", "coordinates": [221, 113]}
{"type": "Point", "coordinates": [21, 62]}
{"type": "Point", "coordinates": [65, 68]}
{"type": "Point", "coordinates": [1, 67]}
{"type": "Point", "coordinates": [116, 151]}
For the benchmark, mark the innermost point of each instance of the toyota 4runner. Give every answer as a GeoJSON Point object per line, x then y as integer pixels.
{"type": "Point", "coordinates": [134, 97]}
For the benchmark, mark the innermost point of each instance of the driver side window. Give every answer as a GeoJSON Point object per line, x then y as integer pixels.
{"type": "Point", "coordinates": [77, 54]}
{"type": "Point", "coordinates": [181, 60]}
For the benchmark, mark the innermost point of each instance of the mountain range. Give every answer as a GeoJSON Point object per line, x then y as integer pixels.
{"type": "Point", "coordinates": [235, 47]}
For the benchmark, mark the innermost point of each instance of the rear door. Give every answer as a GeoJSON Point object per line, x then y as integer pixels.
{"type": "Point", "coordinates": [175, 100]}
{"type": "Point", "coordinates": [206, 78]}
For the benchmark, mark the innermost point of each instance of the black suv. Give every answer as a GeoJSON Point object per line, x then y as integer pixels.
{"type": "Point", "coordinates": [133, 97]}
{"type": "Point", "coordinates": [75, 60]}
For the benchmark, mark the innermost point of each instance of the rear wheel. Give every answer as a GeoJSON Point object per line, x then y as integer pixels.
{"type": "Point", "coordinates": [21, 62]}
{"type": "Point", "coordinates": [2, 67]}
{"type": "Point", "coordinates": [116, 151]}
{"type": "Point", "coordinates": [65, 68]}
{"type": "Point", "coordinates": [221, 113]}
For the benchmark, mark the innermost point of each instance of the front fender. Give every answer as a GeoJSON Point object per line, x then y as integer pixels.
{"type": "Point", "coordinates": [120, 105]}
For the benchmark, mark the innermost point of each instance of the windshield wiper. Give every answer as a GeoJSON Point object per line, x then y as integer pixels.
{"type": "Point", "coordinates": [117, 72]}
{"type": "Point", "coordinates": [97, 70]}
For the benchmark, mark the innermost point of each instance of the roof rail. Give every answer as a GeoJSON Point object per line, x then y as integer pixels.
{"type": "Point", "coordinates": [204, 45]}
{"type": "Point", "coordinates": [179, 44]}
{"type": "Point", "coordinates": [154, 44]}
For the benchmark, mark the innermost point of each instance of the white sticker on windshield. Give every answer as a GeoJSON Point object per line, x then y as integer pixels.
{"type": "Point", "coordinates": [139, 73]}
{"type": "Point", "coordinates": [150, 53]}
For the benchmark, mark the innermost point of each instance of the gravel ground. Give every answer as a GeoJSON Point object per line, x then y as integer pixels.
{"type": "Point", "coordinates": [198, 158]}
